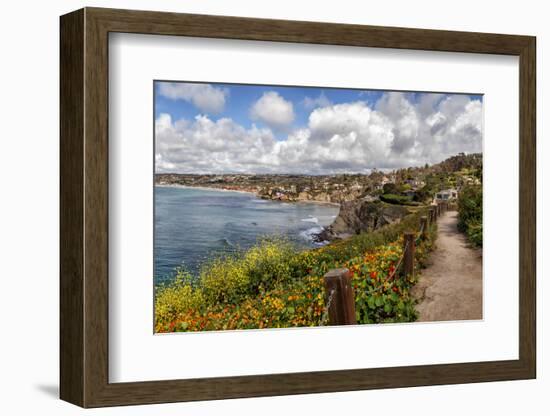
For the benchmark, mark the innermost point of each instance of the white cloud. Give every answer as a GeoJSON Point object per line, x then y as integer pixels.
{"type": "Point", "coordinates": [203, 145]}
{"type": "Point", "coordinates": [205, 97]}
{"type": "Point", "coordinates": [320, 101]}
{"type": "Point", "coordinates": [350, 137]}
{"type": "Point", "coordinates": [432, 129]}
{"type": "Point", "coordinates": [273, 110]}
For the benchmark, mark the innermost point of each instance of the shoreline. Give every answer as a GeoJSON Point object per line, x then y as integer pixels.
{"type": "Point", "coordinates": [205, 188]}
{"type": "Point", "coordinates": [208, 188]}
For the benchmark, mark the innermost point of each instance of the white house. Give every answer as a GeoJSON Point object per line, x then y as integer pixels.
{"type": "Point", "coordinates": [446, 195]}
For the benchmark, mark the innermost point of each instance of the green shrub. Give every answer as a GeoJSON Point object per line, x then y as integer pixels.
{"type": "Point", "coordinates": [230, 278]}
{"type": "Point", "coordinates": [176, 298]}
{"type": "Point", "coordinates": [423, 195]}
{"type": "Point", "coordinates": [389, 188]}
{"type": "Point", "coordinates": [398, 199]}
{"type": "Point", "coordinates": [475, 232]}
{"type": "Point", "coordinates": [224, 279]}
{"type": "Point", "coordinates": [470, 213]}
{"type": "Point", "coordinates": [269, 263]}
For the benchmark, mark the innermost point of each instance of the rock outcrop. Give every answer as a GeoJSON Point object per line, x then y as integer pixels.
{"type": "Point", "coordinates": [363, 215]}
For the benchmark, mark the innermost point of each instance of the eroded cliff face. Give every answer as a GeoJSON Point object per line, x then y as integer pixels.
{"type": "Point", "coordinates": [362, 215]}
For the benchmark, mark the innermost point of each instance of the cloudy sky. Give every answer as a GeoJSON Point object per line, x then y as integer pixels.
{"type": "Point", "coordinates": [223, 128]}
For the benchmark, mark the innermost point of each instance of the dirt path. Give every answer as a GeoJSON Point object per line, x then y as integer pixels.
{"type": "Point", "coordinates": [450, 288]}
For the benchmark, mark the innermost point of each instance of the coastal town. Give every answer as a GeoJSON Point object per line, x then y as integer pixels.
{"type": "Point", "coordinates": [409, 186]}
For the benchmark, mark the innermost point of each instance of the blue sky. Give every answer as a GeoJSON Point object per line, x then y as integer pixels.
{"type": "Point", "coordinates": [241, 97]}
{"type": "Point", "coordinates": [381, 129]}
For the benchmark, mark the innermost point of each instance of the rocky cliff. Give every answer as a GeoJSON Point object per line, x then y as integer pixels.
{"type": "Point", "coordinates": [363, 215]}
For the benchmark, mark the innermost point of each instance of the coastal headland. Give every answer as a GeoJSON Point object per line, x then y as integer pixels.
{"type": "Point", "coordinates": [367, 201]}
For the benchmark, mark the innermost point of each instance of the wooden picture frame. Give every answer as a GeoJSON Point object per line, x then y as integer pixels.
{"type": "Point", "coordinates": [84, 207]}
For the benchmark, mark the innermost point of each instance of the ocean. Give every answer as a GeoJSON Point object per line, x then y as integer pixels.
{"type": "Point", "coordinates": [194, 224]}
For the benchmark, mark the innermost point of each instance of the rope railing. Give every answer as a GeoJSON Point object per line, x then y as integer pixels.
{"type": "Point", "coordinates": [391, 277]}
{"type": "Point", "coordinates": [399, 262]}
{"type": "Point", "coordinates": [420, 233]}
{"type": "Point", "coordinates": [324, 317]}
{"type": "Point", "coordinates": [340, 305]}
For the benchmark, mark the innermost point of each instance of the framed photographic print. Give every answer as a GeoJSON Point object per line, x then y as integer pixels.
{"type": "Point", "coordinates": [257, 207]}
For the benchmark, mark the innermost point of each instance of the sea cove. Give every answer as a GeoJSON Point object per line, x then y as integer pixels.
{"type": "Point", "coordinates": [194, 224]}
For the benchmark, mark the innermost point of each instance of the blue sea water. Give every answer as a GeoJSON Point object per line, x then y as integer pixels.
{"type": "Point", "coordinates": [192, 224]}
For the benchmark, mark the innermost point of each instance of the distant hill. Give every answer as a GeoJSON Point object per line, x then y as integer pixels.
{"type": "Point", "coordinates": [459, 162]}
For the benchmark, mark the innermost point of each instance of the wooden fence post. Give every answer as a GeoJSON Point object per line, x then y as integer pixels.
{"type": "Point", "coordinates": [432, 214]}
{"type": "Point", "coordinates": [340, 297]}
{"type": "Point", "coordinates": [408, 254]}
{"type": "Point", "coordinates": [424, 226]}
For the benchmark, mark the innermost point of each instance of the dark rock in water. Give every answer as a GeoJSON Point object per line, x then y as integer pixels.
{"type": "Point", "coordinates": [359, 216]}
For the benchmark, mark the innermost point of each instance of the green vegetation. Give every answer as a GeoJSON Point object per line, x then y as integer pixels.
{"type": "Point", "coordinates": [232, 278]}
{"type": "Point", "coordinates": [398, 199]}
{"type": "Point", "coordinates": [470, 214]}
{"type": "Point", "coordinates": [274, 284]}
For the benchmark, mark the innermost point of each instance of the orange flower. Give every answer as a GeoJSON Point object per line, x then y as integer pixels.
{"type": "Point", "coordinates": [373, 274]}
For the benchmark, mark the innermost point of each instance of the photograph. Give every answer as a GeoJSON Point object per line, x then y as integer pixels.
{"type": "Point", "coordinates": [295, 206]}
{"type": "Point", "coordinates": [241, 196]}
